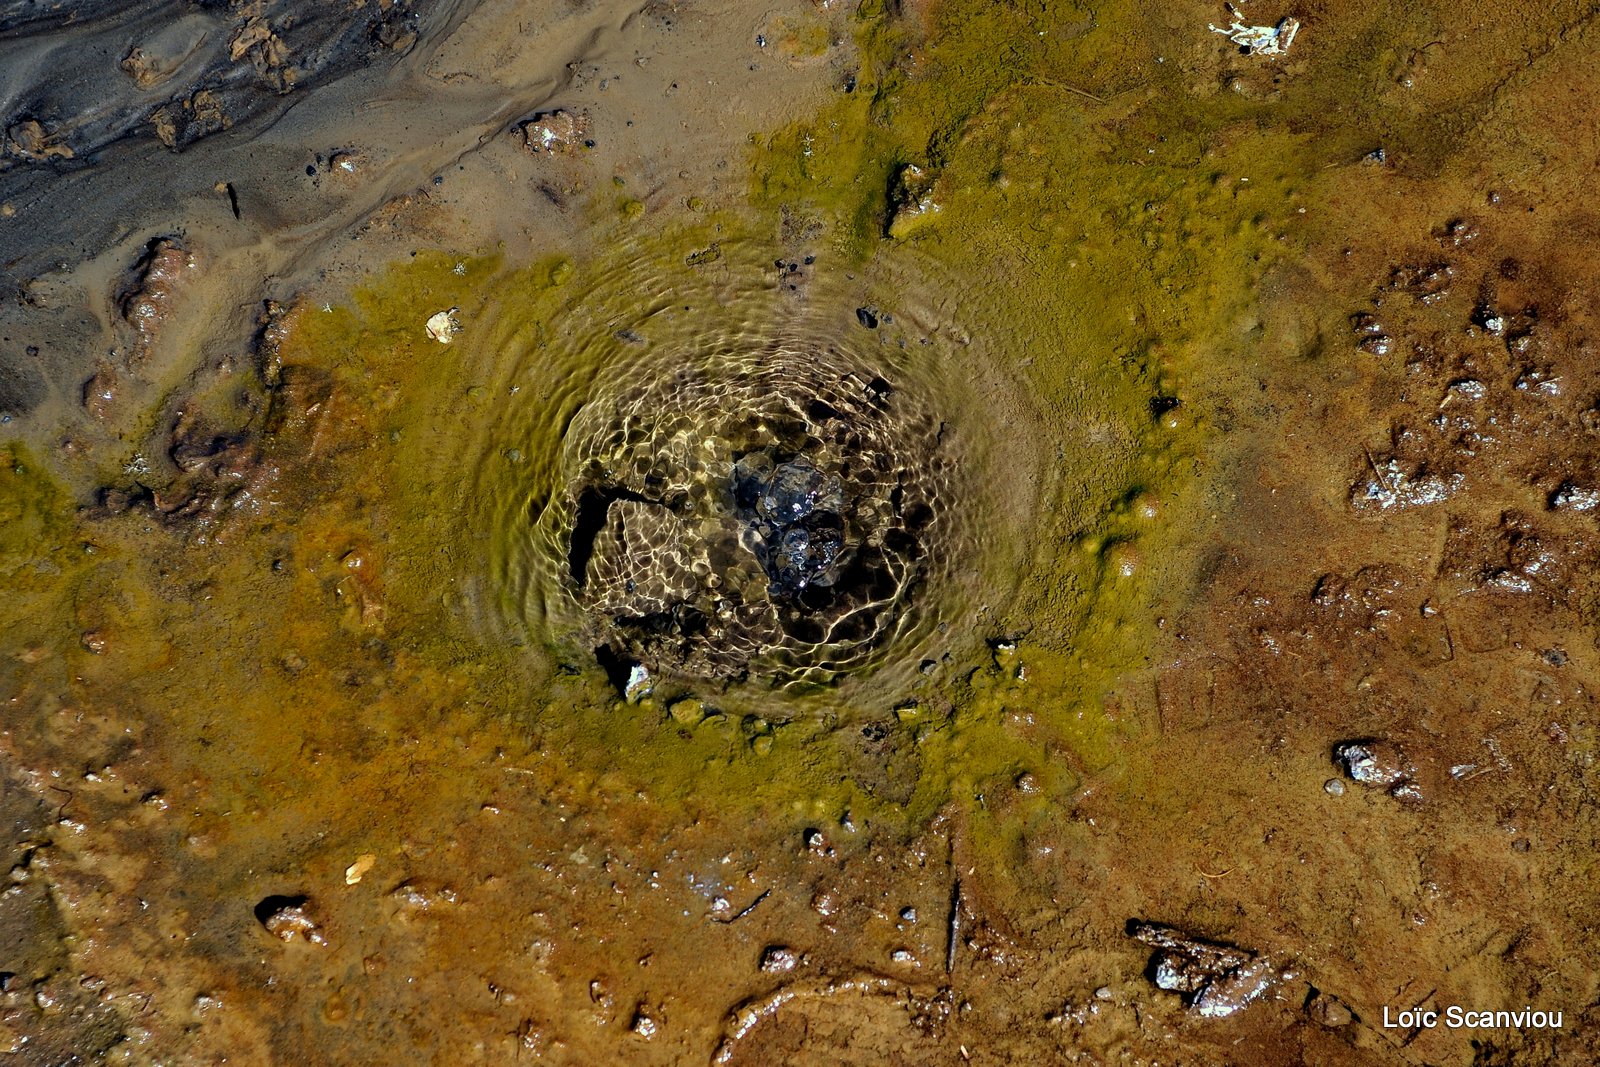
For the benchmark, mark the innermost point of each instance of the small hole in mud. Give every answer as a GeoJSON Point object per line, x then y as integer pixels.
{"type": "Point", "coordinates": [773, 506]}
{"type": "Point", "coordinates": [617, 668]}
{"type": "Point", "coordinates": [1160, 405]}
{"type": "Point", "coordinates": [272, 905]}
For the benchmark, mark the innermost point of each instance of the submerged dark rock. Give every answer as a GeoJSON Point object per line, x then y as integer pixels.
{"type": "Point", "coordinates": [1216, 979]}
{"type": "Point", "coordinates": [779, 509]}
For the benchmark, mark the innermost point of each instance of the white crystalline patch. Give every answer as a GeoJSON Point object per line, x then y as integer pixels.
{"type": "Point", "coordinates": [1574, 498]}
{"type": "Point", "coordinates": [1261, 40]}
{"type": "Point", "coordinates": [1233, 991]}
{"type": "Point", "coordinates": [639, 684]}
{"type": "Point", "coordinates": [1392, 486]}
{"type": "Point", "coordinates": [442, 326]}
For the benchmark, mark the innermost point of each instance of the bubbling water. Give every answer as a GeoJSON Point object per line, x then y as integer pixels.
{"type": "Point", "coordinates": [722, 473]}
{"type": "Point", "coordinates": [776, 506]}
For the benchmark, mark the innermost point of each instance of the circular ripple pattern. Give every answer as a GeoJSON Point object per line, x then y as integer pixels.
{"type": "Point", "coordinates": [778, 506]}
{"type": "Point", "coordinates": [755, 480]}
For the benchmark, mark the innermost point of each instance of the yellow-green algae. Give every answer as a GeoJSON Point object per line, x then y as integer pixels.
{"type": "Point", "coordinates": [36, 532]}
{"type": "Point", "coordinates": [435, 548]}
{"type": "Point", "coordinates": [374, 346]}
{"type": "Point", "coordinates": [1109, 222]}
{"type": "Point", "coordinates": [1128, 231]}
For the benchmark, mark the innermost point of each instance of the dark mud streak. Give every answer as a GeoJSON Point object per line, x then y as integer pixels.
{"type": "Point", "coordinates": [21, 387]}
{"type": "Point", "coordinates": [746, 910]}
{"type": "Point", "coordinates": [92, 104]}
{"type": "Point", "coordinates": [124, 173]}
{"type": "Point", "coordinates": [953, 924]}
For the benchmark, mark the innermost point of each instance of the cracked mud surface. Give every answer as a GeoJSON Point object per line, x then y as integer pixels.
{"type": "Point", "coordinates": [936, 533]}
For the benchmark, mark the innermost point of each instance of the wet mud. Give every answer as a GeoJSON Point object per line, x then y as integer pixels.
{"type": "Point", "coordinates": [685, 533]}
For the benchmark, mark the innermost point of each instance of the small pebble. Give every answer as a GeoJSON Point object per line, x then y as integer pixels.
{"type": "Point", "coordinates": [779, 959]}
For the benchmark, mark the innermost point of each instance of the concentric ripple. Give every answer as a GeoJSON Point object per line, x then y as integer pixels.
{"type": "Point", "coordinates": [723, 473]}
{"type": "Point", "coordinates": [776, 504]}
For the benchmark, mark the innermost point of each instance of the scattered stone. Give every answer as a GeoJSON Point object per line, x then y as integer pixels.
{"type": "Point", "coordinates": [257, 35]}
{"type": "Point", "coordinates": [1458, 232]}
{"type": "Point", "coordinates": [1379, 765]}
{"type": "Point", "coordinates": [1426, 282]}
{"type": "Point", "coordinates": [28, 140]}
{"type": "Point", "coordinates": [643, 1023]}
{"type": "Point", "coordinates": [415, 895]}
{"type": "Point", "coordinates": [147, 299]}
{"type": "Point", "coordinates": [817, 843]}
{"type": "Point", "coordinates": [688, 711]}
{"type": "Point", "coordinates": [779, 959]}
{"type": "Point", "coordinates": [700, 258]}
{"type": "Point", "coordinates": [1328, 1010]}
{"type": "Point", "coordinates": [442, 325]}
{"type": "Point", "coordinates": [1231, 992]}
{"type": "Point", "coordinates": [554, 131]}
{"type": "Point", "coordinates": [1216, 979]}
{"type": "Point", "coordinates": [1407, 791]}
{"type": "Point", "coordinates": [289, 917]}
{"type": "Point", "coordinates": [185, 121]}
{"type": "Point", "coordinates": [911, 201]}
{"type": "Point", "coordinates": [639, 684]}
{"type": "Point", "coordinates": [363, 864]}
{"type": "Point", "coordinates": [196, 448]}
{"type": "Point", "coordinates": [1261, 40]}
{"type": "Point", "coordinates": [146, 70]}
{"type": "Point", "coordinates": [349, 163]}
{"type": "Point", "coordinates": [1394, 486]}
{"type": "Point", "coordinates": [1570, 497]}
{"type": "Point", "coordinates": [100, 393]}
{"type": "Point", "coordinates": [1334, 787]}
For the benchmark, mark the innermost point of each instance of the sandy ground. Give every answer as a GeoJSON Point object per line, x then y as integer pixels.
{"type": "Point", "coordinates": [1252, 708]}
